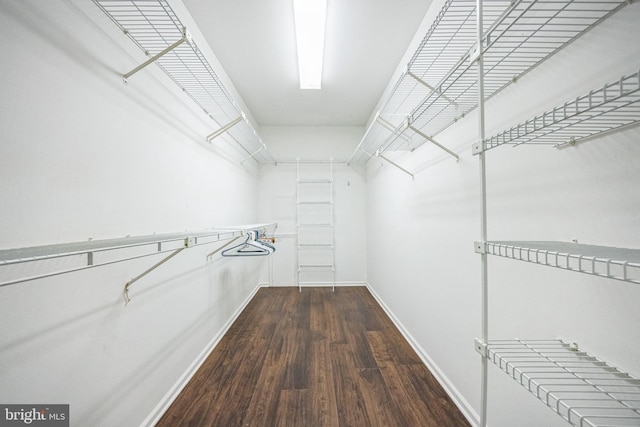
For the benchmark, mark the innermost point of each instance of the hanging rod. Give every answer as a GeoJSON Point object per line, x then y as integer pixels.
{"type": "Point", "coordinates": [318, 161]}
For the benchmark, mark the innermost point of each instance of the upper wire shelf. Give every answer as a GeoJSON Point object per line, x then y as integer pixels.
{"type": "Point", "coordinates": [439, 86]}
{"type": "Point", "coordinates": [582, 389]}
{"type": "Point", "coordinates": [155, 28]}
{"type": "Point", "coordinates": [613, 106]}
{"type": "Point", "coordinates": [604, 261]}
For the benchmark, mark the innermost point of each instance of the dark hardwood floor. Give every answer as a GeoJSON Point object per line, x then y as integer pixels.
{"type": "Point", "coordinates": [313, 358]}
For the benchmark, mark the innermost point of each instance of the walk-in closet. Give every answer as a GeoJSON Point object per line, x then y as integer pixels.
{"type": "Point", "coordinates": [320, 213]}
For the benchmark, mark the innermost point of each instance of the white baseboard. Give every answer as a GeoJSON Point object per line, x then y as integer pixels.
{"type": "Point", "coordinates": [184, 379]}
{"type": "Point", "coordinates": [172, 394]}
{"type": "Point", "coordinates": [467, 410]}
{"type": "Point", "coordinates": [317, 284]}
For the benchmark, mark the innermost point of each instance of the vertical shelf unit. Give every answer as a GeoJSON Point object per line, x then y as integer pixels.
{"type": "Point", "coordinates": [473, 50]}
{"type": "Point", "coordinates": [156, 29]}
{"type": "Point", "coordinates": [580, 388]}
{"type": "Point", "coordinates": [314, 223]}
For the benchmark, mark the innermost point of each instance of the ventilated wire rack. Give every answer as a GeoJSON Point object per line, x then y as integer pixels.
{"type": "Point", "coordinates": [604, 261]}
{"type": "Point", "coordinates": [582, 389]}
{"type": "Point", "coordinates": [446, 44]}
{"type": "Point", "coordinates": [154, 27]}
{"type": "Point", "coordinates": [613, 106]}
{"type": "Point", "coordinates": [517, 36]}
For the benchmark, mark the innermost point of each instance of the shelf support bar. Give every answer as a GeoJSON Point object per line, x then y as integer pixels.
{"type": "Point", "coordinates": [186, 37]}
{"type": "Point", "coordinates": [222, 247]}
{"type": "Point", "coordinates": [432, 89]}
{"type": "Point", "coordinates": [392, 128]}
{"type": "Point", "coordinates": [224, 128]}
{"type": "Point", "coordinates": [484, 375]}
{"type": "Point", "coordinates": [253, 154]}
{"type": "Point", "coordinates": [433, 141]}
{"type": "Point", "coordinates": [396, 165]}
{"type": "Point", "coordinates": [189, 241]}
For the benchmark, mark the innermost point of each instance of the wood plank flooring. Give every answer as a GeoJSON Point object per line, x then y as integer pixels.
{"type": "Point", "coordinates": [313, 358]}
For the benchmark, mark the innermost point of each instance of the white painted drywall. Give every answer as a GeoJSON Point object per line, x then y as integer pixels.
{"type": "Point", "coordinates": [421, 261]}
{"type": "Point", "coordinates": [84, 156]}
{"type": "Point", "coordinates": [278, 197]}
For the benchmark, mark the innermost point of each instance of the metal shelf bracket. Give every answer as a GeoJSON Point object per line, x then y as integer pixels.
{"type": "Point", "coordinates": [252, 155]}
{"type": "Point", "coordinates": [390, 127]}
{"type": "Point", "coordinates": [391, 162]}
{"type": "Point", "coordinates": [431, 88]}
{"type": "Point", "coordinates": [186, 37]}
{"type": "Point", "coordinates": [225, 128]}
{"type": "Point", "coordinates": [481, 347]}
{"type": "Point", "coordinates": [431, 140]}
{"type": "Point", "coordinates": [480, 247]}
{"type": "Point", "coordinates": [188, 242]}
{"type": "Point", "coordinates": [477, 148]}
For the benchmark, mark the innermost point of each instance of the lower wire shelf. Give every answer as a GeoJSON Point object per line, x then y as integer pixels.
{"type": "Point", "coordinates": [582, 389]}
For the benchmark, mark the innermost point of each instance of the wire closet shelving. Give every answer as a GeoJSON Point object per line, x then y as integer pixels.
{"type": "Point", "coordinates": [154, 27]}
{"type": "Point", "coordinates": [63, 258]}
{"type": "Point", "coordinates": [582, 389]}
{"type": "Point", "coordinates": [604, 261]}
{"type": "Point", "coordinates": [473, 50]}
{"type": "Point", "coordinates": [439, 84]}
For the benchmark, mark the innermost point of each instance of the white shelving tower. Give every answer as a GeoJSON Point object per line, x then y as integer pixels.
{"type": "Point", "coordinates": [473, 50]}
{"type": "Point", "coordinates": [315, 223]}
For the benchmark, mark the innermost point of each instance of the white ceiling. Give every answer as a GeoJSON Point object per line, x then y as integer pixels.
{"type": "Point", "coordinates": [255, 42]}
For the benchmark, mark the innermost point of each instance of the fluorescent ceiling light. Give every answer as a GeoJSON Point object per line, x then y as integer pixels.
{"type": "Point", "coordinates": [310, 17]}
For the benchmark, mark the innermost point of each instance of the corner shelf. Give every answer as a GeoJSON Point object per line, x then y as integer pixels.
{"type": "Point", "coordinates": [582, 389]}
{"type": "Point", "coordinates": [154, 27]}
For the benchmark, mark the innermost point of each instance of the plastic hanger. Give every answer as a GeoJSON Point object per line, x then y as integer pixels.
{"type": "Point", "coordinates": [252, 246]}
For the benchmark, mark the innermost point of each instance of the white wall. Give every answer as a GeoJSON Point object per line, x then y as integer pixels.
{"type": "Point", "coordinates": [84, 156]}
{"type": "Point", "coordinates": [278, 196]}
{"type": "Point", "coordinates": [421, 261]}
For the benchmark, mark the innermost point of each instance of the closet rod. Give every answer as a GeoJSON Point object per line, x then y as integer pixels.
{"type": "Point", "coordinates": [313, 161]}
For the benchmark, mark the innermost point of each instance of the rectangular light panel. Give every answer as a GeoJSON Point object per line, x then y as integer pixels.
{"type": "Point", "coordinates": [310, 18]}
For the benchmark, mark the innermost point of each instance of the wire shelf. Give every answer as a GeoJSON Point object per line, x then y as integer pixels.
{"type": "Point", "coordinates": [604, 261]}
{"type": "Point", "coordinates": [610, 107]}
{"type": "Point", "coordinates": [517, 37]}
{"type": "Point", "coordinates": [582, 389]}
{"type": "Point", "coordinates": [97, 253]}
{"type": "Point", "coordinates": [153, 26]}
{"type": "Point", "coordinates": [446, 44]}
